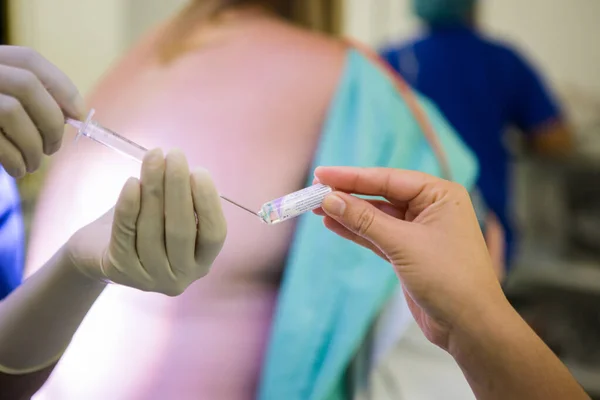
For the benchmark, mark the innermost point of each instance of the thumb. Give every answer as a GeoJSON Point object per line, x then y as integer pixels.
{"type": "Point", "coordinates": [365, 220]}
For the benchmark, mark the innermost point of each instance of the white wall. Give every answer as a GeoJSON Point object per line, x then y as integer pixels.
{"type": "Point", "coordinates": [376, 22]}
{"type": "Point", "coordinates": [560, 36]}
{"type": "Point", "coordinates": [142, 14]}
{"type": "Point", "coordinates": [84, 37]}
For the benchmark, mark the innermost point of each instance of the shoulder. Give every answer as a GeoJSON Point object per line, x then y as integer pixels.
{"type": "Point", "coordinates": [399, 47]}
{"type": "Point", "coordinates": [288, 51]}
{"type": "Point", "coordinates": [315, 46]}
{"type": "Point", "coordinates": [503, 51]}
{"type": "Point", "coordinates": [310, 61]}
{"type": "Point", "coordinates": [404, 56]}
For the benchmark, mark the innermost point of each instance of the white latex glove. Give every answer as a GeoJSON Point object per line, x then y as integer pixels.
{"type": "Point", "coordinates": [35, 97]}
{"type": "Point", "coordinates": [153, 242]}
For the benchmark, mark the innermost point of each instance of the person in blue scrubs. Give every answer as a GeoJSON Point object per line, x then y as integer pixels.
{"type": "Point", "coordinates": [483, 87]}
{"type": "Point", "coordinates": [12, 236]}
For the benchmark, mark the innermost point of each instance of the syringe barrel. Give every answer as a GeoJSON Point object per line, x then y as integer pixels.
{"type": "Point", "coordinates": [294, 204]}
{"type": "Point", "coordinates": [100, 134]}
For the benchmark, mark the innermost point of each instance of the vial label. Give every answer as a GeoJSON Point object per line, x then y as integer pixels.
{"type": "Point", "coordinates": [296, 203]}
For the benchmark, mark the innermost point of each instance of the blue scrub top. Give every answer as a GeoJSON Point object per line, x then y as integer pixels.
{"type": "Point", "coordinates": [12, 236]}
{"type": "Point", "coordinates": [482, 87]}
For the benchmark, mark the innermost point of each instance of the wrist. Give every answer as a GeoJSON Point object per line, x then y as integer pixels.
{"type": "Point", "coordinates": [40, 317]}
{"type": "Point", "coordinates": [502, 358]}
{"type": "Point", "coordinates": [487, 325]}
{"type": "Point", "coordinates": [74, 269]}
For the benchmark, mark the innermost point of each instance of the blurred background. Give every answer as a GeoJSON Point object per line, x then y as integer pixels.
{"type": "Point", "coordinates": [555, 282]}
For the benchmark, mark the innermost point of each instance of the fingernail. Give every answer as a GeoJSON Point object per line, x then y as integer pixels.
{"type": "Point", "coordinates": [316, 172]}
{"type": "Point", "coordinates": [154, 157]}
{"type": "Point", "coordinates": [53, 147]}
{"type": "Point", "coordinates": [334, 205]}
{"type": "Point", "coordinates": [19, 173]}
{"type": "Point", "coordinates": [177, 152]}
{"type": "Point", "coordinates": [155, 154]}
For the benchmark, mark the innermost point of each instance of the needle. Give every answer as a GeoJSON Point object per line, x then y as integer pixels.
{"type": "Point", "coordinates": [239, 205]}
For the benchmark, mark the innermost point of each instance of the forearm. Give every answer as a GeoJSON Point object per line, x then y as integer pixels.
{"type": "Point", "coordinates": [23, 387]}
{"type": "Point", "coordinates": [553, 140]}
{"type": "Point", "coordinates": [38, 320]}
{"type": "Point", "coordinates": [502, 358]}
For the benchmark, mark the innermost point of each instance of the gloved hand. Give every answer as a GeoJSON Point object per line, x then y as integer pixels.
{"type": "Point", "coordinates": [151, 239]}
{"type": "Point", "coordinates": [429, 232]}
{"type": "Point", "coordinates": [35, 97]}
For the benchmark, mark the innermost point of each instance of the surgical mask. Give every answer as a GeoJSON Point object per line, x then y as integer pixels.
{"type": "Point", "coordinates": [442, 11]}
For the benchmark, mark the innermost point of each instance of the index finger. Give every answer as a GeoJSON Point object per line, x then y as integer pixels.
{"type": "Point", "coordinates": [54, 80]}
{"type": "Point", "coordinates": [392, 184]}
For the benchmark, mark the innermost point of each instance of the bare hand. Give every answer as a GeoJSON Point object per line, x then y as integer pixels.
{"type": "Point", "coordinates": [428, 231]}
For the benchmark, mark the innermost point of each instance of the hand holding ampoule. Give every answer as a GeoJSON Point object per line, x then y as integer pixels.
{"type": "Point", "coordinates": [35, 98]}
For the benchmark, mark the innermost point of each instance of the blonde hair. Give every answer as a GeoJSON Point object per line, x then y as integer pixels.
{"type": "Point", "coordinates": [311, 14]}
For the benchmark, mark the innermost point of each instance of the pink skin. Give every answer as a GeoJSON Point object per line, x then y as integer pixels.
{"type": "Point", "coordinates": [248, 109]}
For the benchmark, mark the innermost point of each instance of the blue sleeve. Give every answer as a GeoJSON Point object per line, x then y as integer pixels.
{"type": "Point", "coordinates": [12, 236]}
{"type": "Point", "coordinates": [533, 105]}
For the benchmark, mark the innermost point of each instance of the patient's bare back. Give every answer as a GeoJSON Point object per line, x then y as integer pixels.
{"type": "Point", "coordinates": [248, 106]}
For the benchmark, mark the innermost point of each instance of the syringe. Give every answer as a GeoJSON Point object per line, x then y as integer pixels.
{"type": "Point", "coordinates": [272, 212]}
{"type": "Point", "coordinates": [95, 131]}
